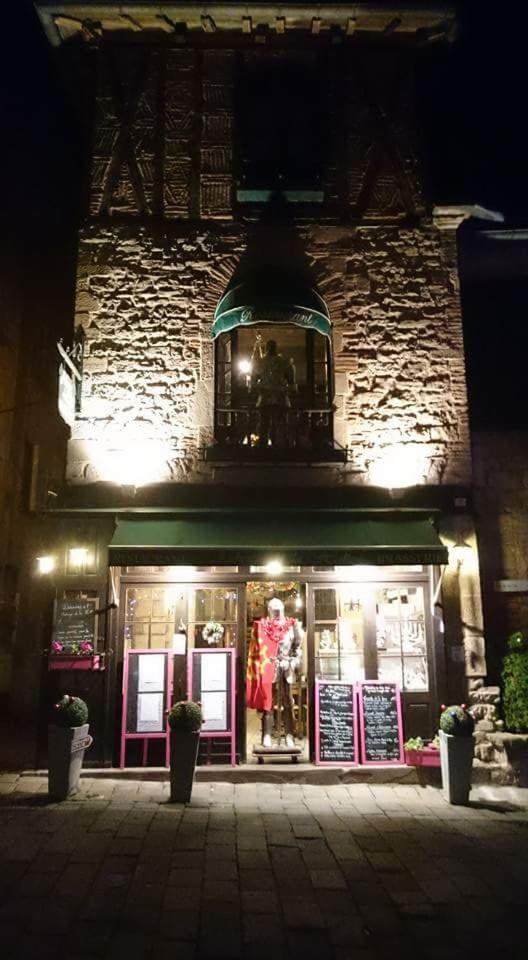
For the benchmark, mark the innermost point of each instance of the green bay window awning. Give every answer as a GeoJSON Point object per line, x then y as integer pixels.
{"type": "Point", "coordinates": [271, 299]}
{"type": "Point", "coordinates": [320, 538]}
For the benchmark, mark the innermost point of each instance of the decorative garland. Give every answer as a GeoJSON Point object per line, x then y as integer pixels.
{"type": "Point", "coordinates": [213, 633]}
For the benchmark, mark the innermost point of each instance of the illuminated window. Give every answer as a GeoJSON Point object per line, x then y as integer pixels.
{"type": "Point", "coordinates": [283, 402]}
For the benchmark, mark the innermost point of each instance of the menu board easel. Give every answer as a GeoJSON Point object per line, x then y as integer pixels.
{"type": "Point", "coordinates": [147, 691]}
{"type": "Point", "coordinates": [336, 729]}
{"type": "Point", "coordinates": [211, 682]}
{"type": "Point", "coordinates": [380, 723]}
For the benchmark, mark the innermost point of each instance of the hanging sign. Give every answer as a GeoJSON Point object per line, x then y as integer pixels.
{"type": "Point", "coordinates": [66, 396]}
{"type": "Point", "coordinates": [336, 741]}
{"type": "Point", "coordinates": [380, 722]}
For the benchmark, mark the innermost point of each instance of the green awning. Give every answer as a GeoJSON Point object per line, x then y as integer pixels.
{"type": "Point", "coordinates": [274, 301]}
{"type": "Point", "coordinates": [320, 538]}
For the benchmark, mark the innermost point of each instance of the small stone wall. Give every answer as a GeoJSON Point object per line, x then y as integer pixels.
{"type": "Point", "coordinates": [500, 757]}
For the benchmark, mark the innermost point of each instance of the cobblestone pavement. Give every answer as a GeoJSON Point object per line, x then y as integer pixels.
{"type": "Point", "coordinates": [271, 871]}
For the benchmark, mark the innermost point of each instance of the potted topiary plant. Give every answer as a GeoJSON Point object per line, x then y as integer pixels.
{"type": "Point", "coordinates": [185, 719]}
{"type": "Point", "coordinates": [68, 738]}
{"type": "Point", "coordinates": [457, 745]}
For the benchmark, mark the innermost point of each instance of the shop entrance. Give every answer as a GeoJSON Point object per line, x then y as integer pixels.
{"type": "Point", "coordinates": [351, 624]}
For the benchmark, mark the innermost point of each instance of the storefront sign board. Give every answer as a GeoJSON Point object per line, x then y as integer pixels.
{"type": "Point", "coordinates": [74, 621]}
{"type": "Point", "coordinates": [211, 682]}
{"type": "Point", "coordinates": [380, 722]}
{"type": "Point", "coordinates": [336, 738]}
{"type": "Point", "coordinates": [147, 692]}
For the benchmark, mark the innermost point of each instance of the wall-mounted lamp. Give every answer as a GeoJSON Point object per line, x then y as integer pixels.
{"type": "Point", "coordinates": [78, 556]}
{"type": "Point", "coordinates": [274, 568]}
{"type": "Point", "coordinates": [45, 564]}
{"type": "Point", "coordinates": [459, 552]}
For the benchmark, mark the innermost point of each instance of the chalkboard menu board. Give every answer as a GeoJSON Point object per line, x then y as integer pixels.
{"type": "Point", "coordinates": [380, 722]}
{"type": "Point", "coordinates": [75, 622]}
{"type": "Point", "coordinates": [336, 739]}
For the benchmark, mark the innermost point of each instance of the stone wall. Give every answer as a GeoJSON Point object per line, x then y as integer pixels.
{"type": "Point", "coordinates": [501, 500]}
{"type": "Point", "coordinates": [146, 297]}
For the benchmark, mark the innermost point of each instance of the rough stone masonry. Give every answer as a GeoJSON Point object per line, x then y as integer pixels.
{"type": "Point", "coordinates": [146, 298]}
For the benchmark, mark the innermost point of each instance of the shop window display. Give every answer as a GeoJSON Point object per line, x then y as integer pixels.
{"type": "Point", "coordinates": [400, 637]}
{"type": "Point", "coordinates": [339, 633]}
{"type": "Point", "coordinates": [276, 685]}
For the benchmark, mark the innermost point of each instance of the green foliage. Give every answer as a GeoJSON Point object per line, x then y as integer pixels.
{"type": "Point", "coordinates": [185, 716]}
{"type": "Point", "coordinates": [518, 642]}
{"type": "Point", "coordinates": [457, 721]}
{"type": "Point", "coordinates": [515, 688]}
{"type": "Point", "coordinates": [415, 743]}
{"type": "Point", "coordinates": [70, 712]}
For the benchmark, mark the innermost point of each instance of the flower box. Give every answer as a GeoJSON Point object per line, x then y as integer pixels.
{"type": "Point", "coordinates": [428, 757]}
{"type": "Point", "coordinates": [92, 661]}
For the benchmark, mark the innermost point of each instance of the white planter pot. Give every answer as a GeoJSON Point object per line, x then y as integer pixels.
{"type": "Point", "coordinates": [66, 746]}
{"type": "Point", "coordinates": [456, 757]}
{"type": "Point", "coordinates": [183, 755]}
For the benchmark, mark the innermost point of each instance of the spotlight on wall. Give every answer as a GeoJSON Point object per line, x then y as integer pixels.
{"type": "Point", "coordinates": [245, 366]}
{"type": "Point", "coordinates": [274, 568]}
{"type": "Point", "coordinates": [78, 556]}
{"type": "Point", "coordinates": [395, 467]}
{"type": "Point", "coordinates": [136, 464]}
{"type": "Point", "coordinates": [45, 564]}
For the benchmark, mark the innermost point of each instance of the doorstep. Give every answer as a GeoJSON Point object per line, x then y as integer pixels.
{"type": "Point", "coordinates": [285, 772]}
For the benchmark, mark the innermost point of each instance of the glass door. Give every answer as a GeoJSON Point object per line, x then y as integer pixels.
{"type": "Point", "coordinates": [377, 631]}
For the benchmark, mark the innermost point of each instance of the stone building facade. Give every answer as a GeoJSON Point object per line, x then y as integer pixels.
{"type": "Point", "coordinates": [182, 215]}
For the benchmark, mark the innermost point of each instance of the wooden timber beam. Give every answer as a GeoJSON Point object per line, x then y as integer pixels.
{"type": "Point", "coordinates": [65, 18]}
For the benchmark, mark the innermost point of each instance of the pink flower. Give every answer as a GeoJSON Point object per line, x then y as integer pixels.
{"type": "Point", "coordinates": [86, 647]}
{"type": "Point", "coordinates": [56, 647]}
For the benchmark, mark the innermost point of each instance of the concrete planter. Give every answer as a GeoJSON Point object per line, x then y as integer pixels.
{"type": "Point", "coordinates": [66, 746]}
{"type": "Point", "coordinates": [183, 755]}
{"type": "Point", "coordinates": [456, 756]}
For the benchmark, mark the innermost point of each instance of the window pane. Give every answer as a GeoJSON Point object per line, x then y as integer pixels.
{"type": "Point", "coordinates": [138, 604]}
{"type": "Point", "coordinates": [400, 630]}
{"type": "Point", "coordinates": [339, 633]}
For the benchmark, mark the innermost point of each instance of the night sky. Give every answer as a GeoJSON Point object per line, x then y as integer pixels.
{"type": "Point", "coordinates": [473, 114]}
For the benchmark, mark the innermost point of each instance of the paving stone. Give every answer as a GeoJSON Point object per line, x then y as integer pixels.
{"type": "Point", "coordinates": [257, 879]}
{"type": "Point", "coordinates": [329, 879]}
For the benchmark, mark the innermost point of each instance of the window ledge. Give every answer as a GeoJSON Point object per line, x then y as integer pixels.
{"type": "Point", "coordinates": [227, 453]}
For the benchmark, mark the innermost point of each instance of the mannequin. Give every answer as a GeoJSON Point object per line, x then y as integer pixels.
{"type": "Point", "coordinates": [275, 377]}
{"type": "Point", "coordinates": [274, 656]}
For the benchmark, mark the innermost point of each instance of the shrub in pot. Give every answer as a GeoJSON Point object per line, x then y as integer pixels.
{"type": "Point", "coordinates": [457, 745]}
{"type": "Point", "coordinates": [185, 720]}
{"type": "Point", "coordinates": [67, 740]}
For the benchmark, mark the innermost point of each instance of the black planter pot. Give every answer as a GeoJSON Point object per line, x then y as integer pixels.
{"type": "Point", "coordinates": [183, 755]}
{"type": "Point", "coordinates": [66, 746]}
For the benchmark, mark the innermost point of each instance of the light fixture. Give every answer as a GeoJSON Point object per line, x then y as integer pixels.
{"type": "Point", "coordinates": [45, 564]}
{"type": "Point", "coordinates": [78, 556]}
{"type": "Point", "coordinates": [398, 466]}
{"type": "Point", "coordinates": [459, 552]}
{"type": "Point", "coordinates": [245, 366]}
{"type": "Point", "coordinates": [274, 567]}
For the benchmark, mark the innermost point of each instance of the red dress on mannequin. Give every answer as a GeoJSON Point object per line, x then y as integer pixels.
{"type": "Point", "coordinates": [268, 634]}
